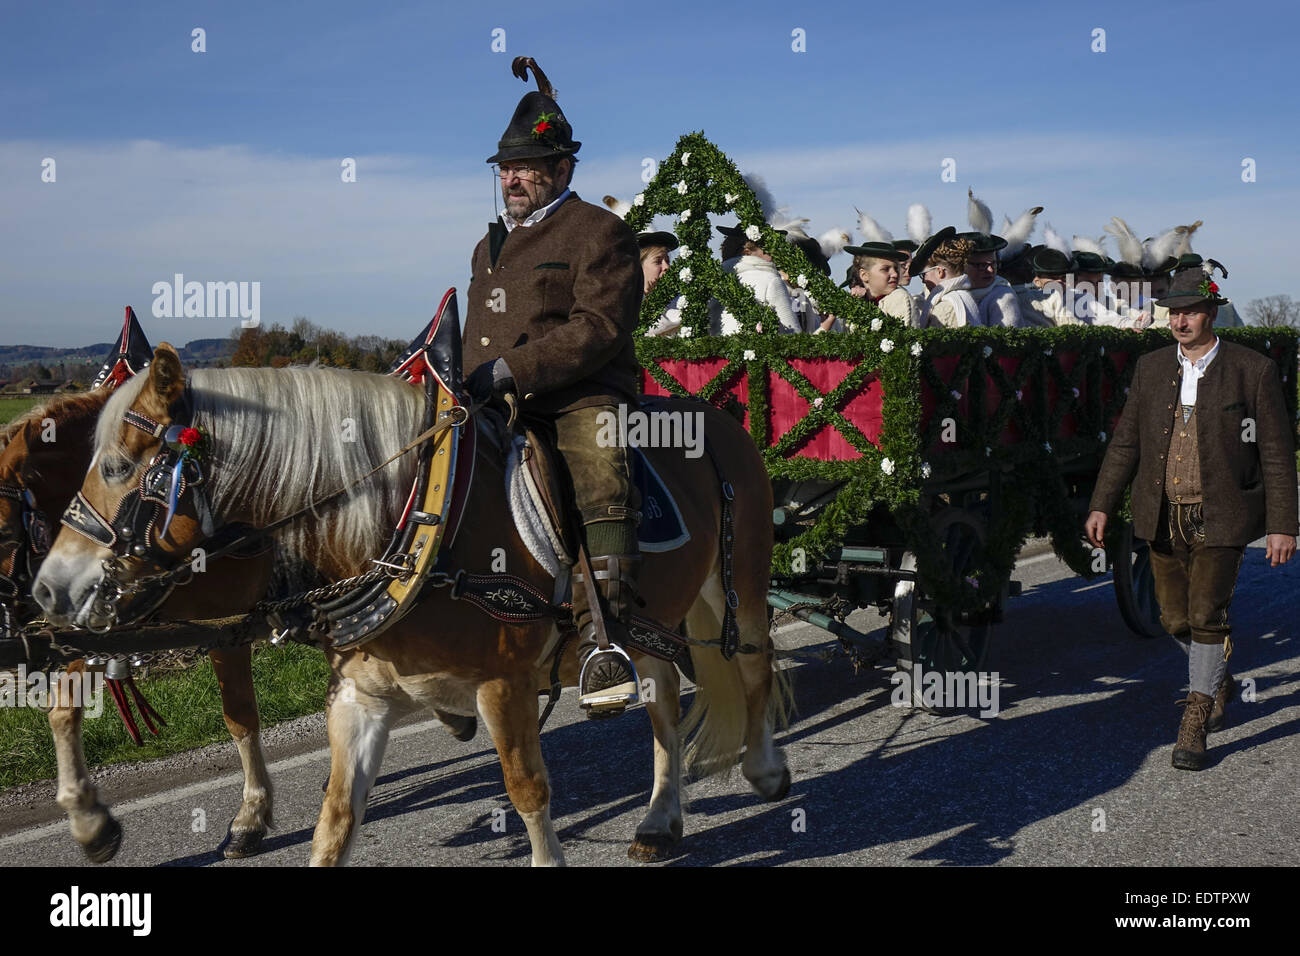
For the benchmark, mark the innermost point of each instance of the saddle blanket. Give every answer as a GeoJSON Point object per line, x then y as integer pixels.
{"type": "Point", "coordinates": [661, 528]}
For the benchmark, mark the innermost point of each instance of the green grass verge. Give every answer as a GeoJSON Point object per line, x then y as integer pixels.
{"type": "Point", "coordinates": [290, 681]}
{"type": "Point", "coordinates": [12, 407]}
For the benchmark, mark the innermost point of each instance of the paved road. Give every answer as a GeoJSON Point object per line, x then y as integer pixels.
{"type": "Point", "coordinates": [1074, 769]}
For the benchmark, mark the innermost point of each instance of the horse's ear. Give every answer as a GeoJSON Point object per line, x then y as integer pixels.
{"type": "Point", "coordinates": [166, 375]}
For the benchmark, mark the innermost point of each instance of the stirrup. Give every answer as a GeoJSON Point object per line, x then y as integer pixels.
{"type": "Point", "coordinates": [609, 701]}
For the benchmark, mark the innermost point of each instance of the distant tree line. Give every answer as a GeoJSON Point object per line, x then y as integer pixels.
{"type": "Point", "coordinates": [305, 342]}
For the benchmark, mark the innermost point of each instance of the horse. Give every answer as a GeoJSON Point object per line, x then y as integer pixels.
{"type": "Point", "coordinates": [278, 438]}
{"type": "Point", "coordinates": [50, 471]}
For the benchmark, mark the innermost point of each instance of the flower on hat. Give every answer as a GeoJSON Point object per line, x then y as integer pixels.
{"type": "Point", "coordinates": [1208, 287]}
{"type": "Point", "coordinates": [751, 233]}
{"type": "Point", "coordinates": [544, 124]}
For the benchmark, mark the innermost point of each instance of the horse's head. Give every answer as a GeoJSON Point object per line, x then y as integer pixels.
{"type": "Point", "coordinates": [140, 509]}
{"type": "Point", "coordinates": [44, 453]}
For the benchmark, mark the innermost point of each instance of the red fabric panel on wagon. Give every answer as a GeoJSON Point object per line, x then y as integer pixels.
{"type": "Point", "coordinates": [787, 408]}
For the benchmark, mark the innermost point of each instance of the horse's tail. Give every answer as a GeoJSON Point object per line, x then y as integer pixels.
{"type": "Point", "coordinates": [719, 717]}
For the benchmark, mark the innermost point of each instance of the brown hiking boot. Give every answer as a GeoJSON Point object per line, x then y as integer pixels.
{"type": "Point", "coordinates": [1189, 751]}
{"type": "Point", "coordinates": [1228, 690]}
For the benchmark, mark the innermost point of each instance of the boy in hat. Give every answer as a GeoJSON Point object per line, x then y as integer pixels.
{"type": "Point", "coordinates": [554, 298]}
{"type": "Point", "coordinates": [1205, 430]}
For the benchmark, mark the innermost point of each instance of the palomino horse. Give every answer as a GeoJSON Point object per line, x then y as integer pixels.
{"type": "Point", "coordinates": [280, 439]}
{"type": "Point", "coordinates": [51, 471]}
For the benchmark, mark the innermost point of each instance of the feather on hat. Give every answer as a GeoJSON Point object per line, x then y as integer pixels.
{"type": "Point", "coordinates": [833, 242]}
{"type": "Point", "coordinates": [918, 223]}
{"type": "Point", "coordinates": [1185, 240]}
{"type": "Point", "coordinates": [1130, 247]}
{"type": "Point", "coordinates": [871, 230]}
{"type": "Point", "coordinates": [1161, 249]}
{"type": "Point", "coordinates": [1054, 240]}
{"type": "Point", "coordinates": [1017, 233]}
{"type": "Point", "coordinates": [979, 214]}
{"type": "Point", "coordinates": [617, 206]}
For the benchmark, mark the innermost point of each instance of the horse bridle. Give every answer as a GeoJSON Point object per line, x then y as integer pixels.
{"type": "Point", "coordinates": [30, 546]}
{"type": "Point", "coordinates": [134, 531]}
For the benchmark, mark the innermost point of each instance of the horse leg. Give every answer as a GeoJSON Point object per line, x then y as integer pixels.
{"type": "Point", "coordinates": [662, 826]}
{"type": "Point", "coordinates": [358, 726]}
{"type": "Point", "coordinates": [234, 670]}
{"type": "Point", "coordinates": [93, 827]}
{"type": "Point", "coordinates": [509, 710]}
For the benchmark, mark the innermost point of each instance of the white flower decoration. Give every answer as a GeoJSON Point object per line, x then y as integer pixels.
{"type": "Point", "coordinates": [887, 465]}
{"type": "Point", "coordinates": [685, 274]}
{"type": "Point", "coordinates": [876, 325]}
{"type": "Point", "coordinates": [817, 402]}
{"type": "Point", "coordinates": [752, 233]}
{"type": "Point", "coordinates": [1047, 446]}
{"type": "Point", "coordinates": [686, 214]}
{"type": "Point", "coordinates": [956, 394]}
{"type": "Point", "coordinates": [1102, 436]}
{"type": "Point", "coordinates": [886, 345]}
{"type": "Point", "coordinates": [916, 349]}
{"type": "Point", "coordinates": [1047, 351]}
{"type": "Point", "coordinates": [684, 252]}
{"type": "Point", "coordinates": [639, 200]}
{"type": "Point", "coordinates": [1101, 350]}
{"type": "Point", "coordinates": [749, 355]}
{"type": "Point", "coordinates": [802, 280]}
{"type": "Point", "coordinates": [681, 187]}
{"type": "Point", "coordinates": [730, 198]}
{"type": "Point", "coordinates": [925, 469]}
{"type": "Point", "coordinates": [758, 326]}
{"type": "Point", "coordinates": [987, 451]}
{"type": "Point", "coordinates": [988, 350]}
{"type": "Point", "coordinates": [686, 158]}
{"type": "Point", "coordinates": [685, 332]}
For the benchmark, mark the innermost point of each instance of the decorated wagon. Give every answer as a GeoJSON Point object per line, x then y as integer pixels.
{"type": "Point", "coordinates": [908, 466]}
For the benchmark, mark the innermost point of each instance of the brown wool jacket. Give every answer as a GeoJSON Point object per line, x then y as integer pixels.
{"type": "Point", "coordinates": [571, 289]}
{"type": "Point", "coordinates": [1249, 487]}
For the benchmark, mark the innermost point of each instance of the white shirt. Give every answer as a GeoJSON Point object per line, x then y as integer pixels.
{"type": "Point", "coordinates": [1192, 372]}
{"type": "Point", "coordinates": [537, 215]}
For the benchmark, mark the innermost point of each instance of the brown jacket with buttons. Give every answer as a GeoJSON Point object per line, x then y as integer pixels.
{"type": "Point", "coordinates": [558, 301]}
{"type": "Point", "coordinates": [1248, 486]}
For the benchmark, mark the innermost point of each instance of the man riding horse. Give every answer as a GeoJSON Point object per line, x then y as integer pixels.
{"type": "Point", "coordinates": [554, 296]}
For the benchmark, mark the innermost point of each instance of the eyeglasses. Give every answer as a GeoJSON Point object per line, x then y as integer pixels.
{"type": "Point", "coordinates": [527, 174]}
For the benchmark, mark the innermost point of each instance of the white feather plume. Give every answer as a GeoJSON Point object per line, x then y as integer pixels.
{"type": "Point", "coordinates": [1130, 246]}
{"type": "Point", "coordinates": [761, 193]}
{"type": "Point", "coordinates": [783, 218]}
{"type": "Point", "coordinates": [1156, 251]}
{"type": "Point", "coordinates": [1084, 244]}
{"type": "Point", "coordinates": [1054, 240]}
{"type": "Point", "coordinates": [871, 230]}
{"type": "Point", "coordinates": [617, 206]}
{"type": "Point", "coordinates": [979, 214]}
{"type": "Point", "coordinates": [1017, 233]}
{"type": "Point", "coordinates": [833, 242]}
{"type": "Point", "coordinates": [918, 223]}
{"type": "Point", "coordinates": [1185, 240]}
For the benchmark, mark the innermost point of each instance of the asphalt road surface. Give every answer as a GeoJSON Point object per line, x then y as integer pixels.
{"type": "Point", "coordinates": [1073, 769]}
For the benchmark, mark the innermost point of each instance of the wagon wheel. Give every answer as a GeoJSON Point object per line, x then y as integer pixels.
{"type": "Point", "coordinates": [928, 637]}
{"type": "Point", "coordinates": [1135, 588]}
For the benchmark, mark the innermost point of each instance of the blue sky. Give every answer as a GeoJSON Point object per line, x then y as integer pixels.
{"type": "Point", "coordinates": [224, 165]}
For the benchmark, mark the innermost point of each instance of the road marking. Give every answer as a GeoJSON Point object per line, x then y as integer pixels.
{"type": "Point", "coordinates": [194, 789]}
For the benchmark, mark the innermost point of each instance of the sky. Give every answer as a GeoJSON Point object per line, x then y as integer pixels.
{"type": "Point", "coordinates": [225, 165]}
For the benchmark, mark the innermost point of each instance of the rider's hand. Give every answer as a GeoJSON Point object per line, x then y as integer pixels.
{"type": "Point", "coordinates": [1279, 549]}
{"type": "Point", "coordinates": [489, 381]}
{"type": "Point", "coordinates": [1095, 528]}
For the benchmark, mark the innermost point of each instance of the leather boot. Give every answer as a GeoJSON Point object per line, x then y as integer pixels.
{"type": "Point", "coordinates": [1227, 691]}
{"type": "Point", "coordinates": [1189, 751]}
{"type": "Point", "coordinates": [608, 682]}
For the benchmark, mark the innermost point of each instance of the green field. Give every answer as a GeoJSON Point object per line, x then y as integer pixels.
{"type": "Point", "coordinates": [13, 406]}
{"type": "Point", "coordinates": [290, 681]}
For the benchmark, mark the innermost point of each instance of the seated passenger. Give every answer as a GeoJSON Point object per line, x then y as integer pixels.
{"type": "Point", "coordinates": [753, 267]}
{"type": "Point", "coordinates": [877, 265]}
{"type": "Point", "coordinates": [655, 247]}
{"type": "Point", "coordinates": [941, 264]}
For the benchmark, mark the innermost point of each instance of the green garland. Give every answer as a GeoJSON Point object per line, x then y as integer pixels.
{"type": "Point", "coordinates": [908, 468]}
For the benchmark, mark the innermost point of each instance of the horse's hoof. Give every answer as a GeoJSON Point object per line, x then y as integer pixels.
{"type": "Point", "coordinates": [104, 847]}
{"type": "Point", "coordinates": [242, 844]}
{"type": "Point", "coordinates": [651, 847]}
{"type": "Point", "coordinates": [783, 788]}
